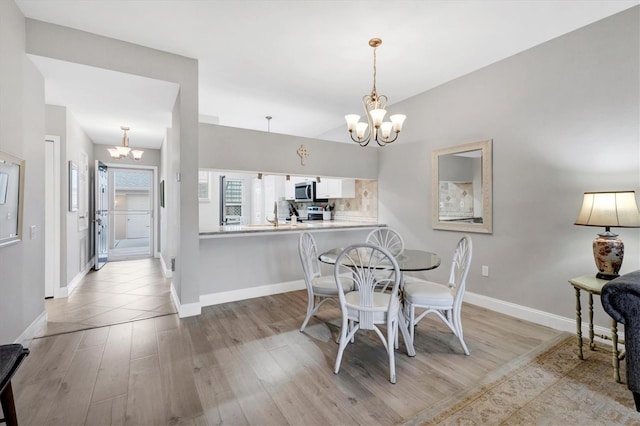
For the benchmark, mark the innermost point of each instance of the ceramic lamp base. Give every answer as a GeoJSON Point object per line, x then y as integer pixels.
{"type": "Point", "coordinates": [608, 251]}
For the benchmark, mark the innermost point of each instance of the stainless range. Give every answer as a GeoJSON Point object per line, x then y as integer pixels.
{"type": "Point", "coordinates": [314, 213]}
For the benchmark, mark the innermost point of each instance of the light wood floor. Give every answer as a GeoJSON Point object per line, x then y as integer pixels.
{"type": "Point", "coordinates": [246, 363]}
{"type": "Point", "coordinates": [118, 292]}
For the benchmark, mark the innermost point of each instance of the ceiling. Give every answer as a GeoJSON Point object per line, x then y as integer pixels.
{"type": "Point", "coordinates": [305, 63]}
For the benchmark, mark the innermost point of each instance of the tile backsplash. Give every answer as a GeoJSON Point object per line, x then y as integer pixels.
{"type": "Point", "coordinates": [364, 207]}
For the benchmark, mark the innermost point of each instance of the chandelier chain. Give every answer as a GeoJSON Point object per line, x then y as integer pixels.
{"type": "Point", "coordinates": [375, 71]}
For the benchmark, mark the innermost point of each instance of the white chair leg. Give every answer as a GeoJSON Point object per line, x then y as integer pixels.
{"type": "Point", "coordinates": [412, 323]}
{"type": "Point", "coordinates": [344, 330]}
{"type": "Point", "coordinates": [396, 346]}
{"type": "Point", "coordinates": [458, 326]}
{"type": "Point", "coordinates": [310, 308]}
{"type": "Point", "coordinates": [391, 337]}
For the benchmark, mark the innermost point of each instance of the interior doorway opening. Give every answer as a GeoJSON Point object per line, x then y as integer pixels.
{"type": "Point", "coordinates": [130, 213]}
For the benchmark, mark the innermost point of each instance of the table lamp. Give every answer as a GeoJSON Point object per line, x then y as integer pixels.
{"type": "Point", "coordinates": [609, 209]}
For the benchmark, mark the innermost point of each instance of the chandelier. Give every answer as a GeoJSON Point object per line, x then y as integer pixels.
{"type": "Point", "coordinates": [123, 150]}
{"type": "Point", "coordinates": [374, 105]}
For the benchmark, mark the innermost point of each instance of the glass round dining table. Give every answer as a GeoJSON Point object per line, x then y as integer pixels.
{"type": "Point", "coordinates": [408, 260]}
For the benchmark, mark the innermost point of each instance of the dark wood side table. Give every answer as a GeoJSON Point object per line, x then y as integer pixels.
{"type": "Point", "coordinates": [593, 285]}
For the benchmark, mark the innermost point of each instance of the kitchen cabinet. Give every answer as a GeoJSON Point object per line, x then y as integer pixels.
{"type": "Point", "coordinates": [336, 188]}
{"type": "Point", "coordinates": [290, 186]}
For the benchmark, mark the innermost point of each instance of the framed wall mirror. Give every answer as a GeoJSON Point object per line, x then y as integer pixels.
{"type": "Point", "coordinates": [11, 198]}
{"type": "Point", "coordinates": [462, 188]}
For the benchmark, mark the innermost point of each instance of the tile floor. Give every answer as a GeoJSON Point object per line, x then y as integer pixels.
{"type": "Point", "coordinates": [119, 292]}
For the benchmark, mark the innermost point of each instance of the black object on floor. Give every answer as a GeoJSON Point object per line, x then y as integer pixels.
{"type": "Point", "coordinates": [11, 357]}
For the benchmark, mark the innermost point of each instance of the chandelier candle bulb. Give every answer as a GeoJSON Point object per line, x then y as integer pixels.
{"type": "Point", "coordinates": [352, 121]}
{"type": "Point", "coordinates": [397, 120]}
{"type": "Point", "coordinates": [361, 128]}
{"type": "Point", "coordinates": [377, 115]}
{"type": "Point", "coordinates": [385, 128]}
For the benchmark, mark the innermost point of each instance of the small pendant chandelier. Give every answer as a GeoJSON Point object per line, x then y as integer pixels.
{"type": "Point", "coordinates": [123, 151]}
{"type": "Point", "coordinates": [374, 108]}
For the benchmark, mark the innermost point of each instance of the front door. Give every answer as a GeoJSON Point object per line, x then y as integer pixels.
{"type": "Point", "coordinates": [102, 215]}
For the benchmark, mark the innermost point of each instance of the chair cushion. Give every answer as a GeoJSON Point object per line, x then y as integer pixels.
{"type": "Point", "coordinates": [427, 293]}
{"type": "Point", "coordinates": [326, 285]}
{"type": "Point", "coordinates": [380, 301]}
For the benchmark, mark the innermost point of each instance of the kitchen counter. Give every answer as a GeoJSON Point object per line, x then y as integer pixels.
{"type": "Point", "coordinates": [269, 229]}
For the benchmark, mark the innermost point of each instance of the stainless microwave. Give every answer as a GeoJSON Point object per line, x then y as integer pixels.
{"type": "Point", "coordinates": [306, 192]}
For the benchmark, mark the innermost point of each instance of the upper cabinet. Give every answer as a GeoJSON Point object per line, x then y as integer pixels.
{"type": "Point", "coordinates": [336, 188]}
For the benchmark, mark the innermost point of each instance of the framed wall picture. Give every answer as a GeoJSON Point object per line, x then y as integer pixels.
{"type": "Point", "coordinates": [4, 185]}
{"type": "Point", "coordinates": [162, 193]}
{"type": "Point", "coordinates": [73, 187]}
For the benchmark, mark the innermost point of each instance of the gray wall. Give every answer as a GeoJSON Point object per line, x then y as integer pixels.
{"type": "Point", "coordinates": [563, 117]}
{"type": "Point", "coordinates": [235, 263]}
{"type": "Point", "coordinates": [230, 148]}
{"type": "Point", "coordinates": [22, 135]}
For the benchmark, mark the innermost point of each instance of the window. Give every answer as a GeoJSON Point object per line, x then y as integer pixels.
{"type": "Point", "coordinates": [233, 201]}
{"type": "Point", "coordinates": [204, 195]}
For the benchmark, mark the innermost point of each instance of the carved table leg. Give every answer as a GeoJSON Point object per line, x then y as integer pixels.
{"type": "Point", "coordinates": [615, 358]}
{"type": "Point", "coordinates": [579, 322]}
{"type": "Point", "coordinates": [592, 345]}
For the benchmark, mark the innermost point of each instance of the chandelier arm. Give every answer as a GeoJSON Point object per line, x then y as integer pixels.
{"type": "Point", "coordinates": [385, 142]}
{"type": "Point", "coordinates": [367, 136]}
{"type": "Point", "coordinates": [363, 142]}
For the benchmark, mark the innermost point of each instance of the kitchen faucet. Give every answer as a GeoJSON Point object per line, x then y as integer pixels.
{"type": "Point", "coordinates": [275, 215]}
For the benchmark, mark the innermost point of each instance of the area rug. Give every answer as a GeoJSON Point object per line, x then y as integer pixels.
{"type": "Point", "coordinates": [547, 386]}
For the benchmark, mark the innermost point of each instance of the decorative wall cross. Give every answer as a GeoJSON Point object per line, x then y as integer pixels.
{"type": "Point", "coordinates": [303, 153]}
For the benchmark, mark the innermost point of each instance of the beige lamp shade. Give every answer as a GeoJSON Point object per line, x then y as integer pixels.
{"type": "Point", "coordinates": [609, 209]}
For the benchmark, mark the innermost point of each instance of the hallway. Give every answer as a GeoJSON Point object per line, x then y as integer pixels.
{"type": "Point", "coordinates": [119, 292]}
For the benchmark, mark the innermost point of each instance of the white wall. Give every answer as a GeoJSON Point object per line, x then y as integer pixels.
{"type": "Point", "coordinates": [563, 117]}
{"type": "Point", "coordinates": [76, 241]}
{"type": "Point", "coordinates": [79, 239]}
{"type": "Point", "coordinates": [22, 135]}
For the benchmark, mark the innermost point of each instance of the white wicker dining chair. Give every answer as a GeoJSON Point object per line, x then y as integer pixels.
{"type": "Point", "coordinates": [319, 288]}
{"type": "Point", "coordinates": [443, 300]}
{"type": "Point", "coordinates": [388, 238]}
{"type": "Point", "coordinates": [364, 308]}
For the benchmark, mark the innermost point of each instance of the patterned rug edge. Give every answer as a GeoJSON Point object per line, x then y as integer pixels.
{"type": "Point", "coordinates": [444, 408]}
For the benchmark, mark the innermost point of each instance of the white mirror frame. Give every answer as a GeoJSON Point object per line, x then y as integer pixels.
{"type": "Point", "coordinates": [486, 226]}
{"type": "Point", "coordinates": [13, 198]}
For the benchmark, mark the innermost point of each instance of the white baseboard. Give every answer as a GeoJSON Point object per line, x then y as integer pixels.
{"type": "Point", "coordinates": [60, 292]}
{"type": "Point", "coordinates": [34, 328]}
{"type": "Point", "coordinates": [165, 271]}
{"type": "Point", "coordinates": [249, 293]}
{"type": "Point", "coordinates": [186, 309]}
{"type": "Point", "coordinates": [193, 309]}
{"type": "Point", "coordinates": [533, 315]}
{"type": "Point", "coordinates": [76, 280]}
